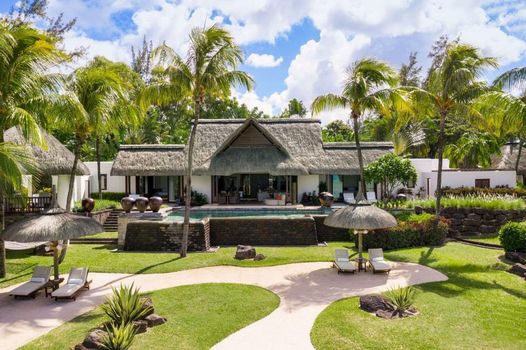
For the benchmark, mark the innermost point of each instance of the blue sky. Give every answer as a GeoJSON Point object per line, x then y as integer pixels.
{"type": "Point", "coordinates": [300, 48]}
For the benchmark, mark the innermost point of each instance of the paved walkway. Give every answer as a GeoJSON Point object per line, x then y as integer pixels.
{"type": "Point", "coordinates": [305, 290]}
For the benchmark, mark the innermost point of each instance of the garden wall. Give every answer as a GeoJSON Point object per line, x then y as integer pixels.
{"type": "Point", "coordinates": [101, 215]}
{"type": "Point", "coordinates": [263, 231]}
{"type": "Point", "coordinates": [478, 221]}
{"type": "Point", "coordinates": [165, 236]}
{"type": "Point", "coordinates": [329, 234]}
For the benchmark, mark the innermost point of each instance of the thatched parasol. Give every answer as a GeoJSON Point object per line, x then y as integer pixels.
{"type": "Point", "coordinates": [362, 218]}
{"type": "Point", "coordinates": [53, 225]}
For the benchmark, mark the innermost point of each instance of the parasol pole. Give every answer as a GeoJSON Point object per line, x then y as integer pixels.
{"type": "Point", "coordinates": [54, 247]}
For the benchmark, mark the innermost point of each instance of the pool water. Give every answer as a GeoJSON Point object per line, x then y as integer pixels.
{"type": "Point", "coordinates": [196, 215]}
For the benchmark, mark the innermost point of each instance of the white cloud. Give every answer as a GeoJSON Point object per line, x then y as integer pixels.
{"type": "Point", "coordinates": [263, 60]}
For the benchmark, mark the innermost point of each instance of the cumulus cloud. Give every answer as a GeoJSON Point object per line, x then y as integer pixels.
{"type": "Point", "coordinates": [263, 60]}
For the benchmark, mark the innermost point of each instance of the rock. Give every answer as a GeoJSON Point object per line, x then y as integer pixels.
{"type": "Point", "coordinates": [155, 320]}
{"type": "Point", "coordinates": [486, 229]}
{"type": "Point", "coordinates": [94, 339]}
{"type": "Point", "coordinates": [518, 269]}
{"type": "Point", "coordinates": [373, 303]}
{"type": "Point", "coordinates": [385, 314]}
{"type": "Point", "coordinates": [147, 303]}
{"type": "Point", "coordinates": [141, 326]}
{"type": "Point", "coordinates": [244, 252]}
{"type": "Point", "coordinates": [259, 257]}
{"type": "Point", "coordinates": [473, 216]}
{"type": "Point", "coordinates": [517, 257]}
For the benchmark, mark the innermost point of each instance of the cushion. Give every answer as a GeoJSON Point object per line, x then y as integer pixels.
{"type": "Point", "coordinates": [38, 279]}
{"type": "Point", "coordinates": [342, 260]}
{"type": "Point", "coordinates": [378, 259]}
{"type": "Point", "coordinates": [75, 281]}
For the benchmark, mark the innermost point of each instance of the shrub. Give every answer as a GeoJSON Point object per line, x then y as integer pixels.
{"type": "Point", "coordinates": [487, 201]}
{"type": "Point", "coordinates": [513, 236]}
{"type": "Point", "coordinates": [428, 231]}
{"type": "Point", "coordinates": [118, 337]}
{"type": "Point", "coordinates": [112, 196]}
{"type": "Point", "coordinates": [100, 204]}
{"type": "Point", "coordinates": [125, 305]}
{"type": "Point", "coordinates": [500, 191]}
{"type": "Point", "coordinates": [198, 199]}
{"type": "Point", "coordinates": [402, 298]}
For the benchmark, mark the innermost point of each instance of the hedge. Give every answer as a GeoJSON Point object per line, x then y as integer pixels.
{"type": "Point", "coordinates": [502, 191]}
{"type": "Point", "coordinates": [513, 236]}
{"type": "Point", "coordinates": [112, 196]}
{"type": "Point", "coordinates": [430, 232]}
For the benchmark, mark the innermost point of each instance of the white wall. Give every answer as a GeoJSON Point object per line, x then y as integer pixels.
{"type": "Point", "coordinates": [306, 184]}
{"type": "Point", "coordinates": [114, 183]}
{"type": "Point", "coordinates": [203, 184]}
{"type": "Point", "coordinates": [61, 183]}
{"type": "Point", "coordinates": [466, 178]}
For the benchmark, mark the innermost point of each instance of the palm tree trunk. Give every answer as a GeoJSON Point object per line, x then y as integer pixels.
{"type": "Point", "coordinates": [517, 162]}
{"type": "Point", "coordinates": [97, 154]}
{"type": "Point", "coordinates": [188, 183]}
{"type": "Point", "coordinates": [355, 118]}
{"type": "Point", "coordinates": [72, 175]}
{"type": "Point", "coordinates": [441, 141]}
{"type": "Point", "coordinates": [3, 269]}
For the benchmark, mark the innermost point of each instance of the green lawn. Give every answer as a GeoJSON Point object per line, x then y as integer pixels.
{"type": "Point", "coordinates": [199, 316]}
{"type": "Point", "coordinates": [492, 240]}
{"type": "Point", "coordinates": [103, 258]}
{"type": "Point", "coordinates": [104, 235]}
{"type": "Point", "coordinates": [479, 307]}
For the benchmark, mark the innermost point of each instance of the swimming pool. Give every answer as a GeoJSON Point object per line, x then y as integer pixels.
{"type": "Point", "coordinates": [197, 215]}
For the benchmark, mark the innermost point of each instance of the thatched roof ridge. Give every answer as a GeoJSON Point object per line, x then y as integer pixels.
{"type": "Point", "coordinates": [366, 144]}
{"type": "Point", "coordinates": [152, 146]}
{"type": "Point", "coordinates": [55, 160]}
{"type": "Point", "coordinates": [507, 159]}
{"type": "Point", "coordinates": [145, 160]}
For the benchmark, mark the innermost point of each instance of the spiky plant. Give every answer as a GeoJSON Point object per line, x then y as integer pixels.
{"type": "Point", "coordinates": [125, 305]}
{"type": "Point", "coordinates": [401, 298]}
{"type": "Point", "coordinates": [118, 337]}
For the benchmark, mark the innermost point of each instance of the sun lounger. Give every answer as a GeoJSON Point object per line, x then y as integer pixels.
{"type": "Point", "coordinates": [348, 197]}
{"type": "Point", "coordinates": [341, 261]}
{"type": "Point", "coordinates": [377, 261]}
{"type": "Point", "coordinates": [371, 197]}
{"type": "Point", "coordinates": [38, 281]}
{"type": "Point", "coordinates": [77, 279]}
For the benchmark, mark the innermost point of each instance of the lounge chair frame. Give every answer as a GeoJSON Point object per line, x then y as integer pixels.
{"type": "Point", "coordinates": [74, 294]}
{"type": "Point", "coordinates": [343, 254]}
{"type": "Point", "coordinates": [378, 253]}
{"type": "Point", "coordinates": [38, 272]}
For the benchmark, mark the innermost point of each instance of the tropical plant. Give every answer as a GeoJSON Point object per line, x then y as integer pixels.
{"type": "Point", "coordinates": [125, 305]}
{"type": "Point", "coordinates": [209, 70]}
{"type": "Point", "coordinates": [368, 87]}
{"type": "Point", "coordinates": [295, 107]}
{"type": "Point", "coordinates": [390, 171]}
{"type": "Point", "coordinates": [337, 131]}
{"type": "Point", "coordinates": [472, 149]}
{"type": "Point", "coordinates": [452, 84]}
{"type": "Point", "coordinates": [118, 336]}
{"type": "Point", "coordinates": [513, 236]}
{"type": "Point", "coordinates": [402, 299]}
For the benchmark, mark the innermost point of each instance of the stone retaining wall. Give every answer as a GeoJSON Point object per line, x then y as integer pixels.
{"type": "Point", "coordinates": [165, 236]}
{"type": "Point", "coordinates": [478, 221]}
{"type": "Point", "coordinates": [329, 234]}
{"type": "Point", "coordinates": [263, 231]}
{"type": "Point", "coordinates": [101, 215]}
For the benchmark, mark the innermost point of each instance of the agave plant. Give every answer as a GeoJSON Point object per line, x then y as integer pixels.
{"type": "Point", "coordinates": [125, 305]}
{"type": "Point", "coordinates": [402, 299]}
{"type": "Point", "coordinates": [118, 337]}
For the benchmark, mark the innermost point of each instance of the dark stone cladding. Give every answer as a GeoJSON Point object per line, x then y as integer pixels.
{"type": "Point", "coordinates": [166, 236]}
{"type": "Point", "coordinates": [478, 221]}
{"type": "Point", "coordinates": [263, 231]}
{"type": "Point", "coordinates": [330, 234]}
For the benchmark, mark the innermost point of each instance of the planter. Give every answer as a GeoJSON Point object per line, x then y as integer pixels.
{"type": "Point", "coordinates": [88, 204]}
{"type": "Point", "coordinates": [127, 204]}
{"type": "Point", "coordinates": [155, 203]}
{"type": "Point", "coordinates": [141, 203]}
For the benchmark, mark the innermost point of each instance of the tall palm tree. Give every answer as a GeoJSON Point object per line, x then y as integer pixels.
{"type": "Point", "coordinates": [368, 87]}
{"type": "Point", "coordinates": [94, 99]}
{"type": "Point", "coordinates": [449, 89]}
{"type": "Point", "coordinates": [26, 54]}
{"type": "Point", "coordinates": [209, 70]}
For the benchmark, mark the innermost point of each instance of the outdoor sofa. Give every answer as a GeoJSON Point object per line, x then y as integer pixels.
{"type": "Point", "coordinates": [377, 261]}
{"type": "Point", "coordinates": [342, 262]}
{"type": "Point", "coordinates": [77, 280]}
{"type": "Point", "coordinates": [39, 280]}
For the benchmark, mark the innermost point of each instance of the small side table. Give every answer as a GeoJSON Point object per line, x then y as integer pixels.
{"type": "Point", "coordinates": [362, 264]}
{"type": "Point", "coordinates": [52, 285]}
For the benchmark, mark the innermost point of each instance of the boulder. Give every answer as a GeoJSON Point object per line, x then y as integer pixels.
{"type": "Point", "coordinates": [517, 257]}
{"type": "Point", "coordinates": [244, 252]}
{"type": "Point", "coordinates": [140, 326]}
{"type": "Point", "coordinates": [385, 314]}
{"type": "Point", "coordinates": [147, 303]}
{"type": "Point", "coordinates": [155, 320]}
{"type": "Point", "coordinates": [259, 257]}
{"type": "Point", "coordinates": [518, 269]}
{"type": "Point", "coordinates": [373, 303]}
{"type": "Point", "coordinates": [94, 339]}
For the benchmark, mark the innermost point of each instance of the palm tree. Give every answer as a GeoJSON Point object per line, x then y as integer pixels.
{"type": "Point", "coordinates": [368, 87]}
{"type": "Point", "coordinates": [94, 99]}
{"type": "Point", "coordinates": [208, 71]}
{"type": "Point", "coordinates": [26, 54]}
{"type": "Point", "coordinates": [451, 86]}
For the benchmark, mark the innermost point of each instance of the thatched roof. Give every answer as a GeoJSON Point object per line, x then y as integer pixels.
{"type": "Point", "coordinates": [361, 217]}
{"type": "Point", "coordinates": [508, 158]}
{"type": "Point", "coordinates": [55, 160]}
{"type": "Point", "coordinates": [143, 160]}
{"type": "Point", "coordinates": [275, 146]}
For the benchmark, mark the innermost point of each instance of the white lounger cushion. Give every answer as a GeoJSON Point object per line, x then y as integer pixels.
{"type": "Point", "coordinates": [76, 280]}
{"type": "Point", "coordinates": [66, 290]}
{"type": "Point", "coordinates": [380, 265]}
{"type": "Point", "coordinates": [376, 259]}
{"type": "Point", "coordinates": [39, 278]}
{"type": "Point", "coordinates": [345, 266]}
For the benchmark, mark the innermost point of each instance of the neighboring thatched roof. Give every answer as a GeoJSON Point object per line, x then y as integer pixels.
{"type": "Point", "coordinates": [275, 146]}
{"type": "Point", "coordinates": [143, 160]}
{"type": "Point", "coordinates": [508, 157]}
{"type": "Point", "coordinates": [55, 160]}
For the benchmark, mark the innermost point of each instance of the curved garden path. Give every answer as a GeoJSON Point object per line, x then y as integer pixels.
{"type": "Point", "coordinates": [305, 290]}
